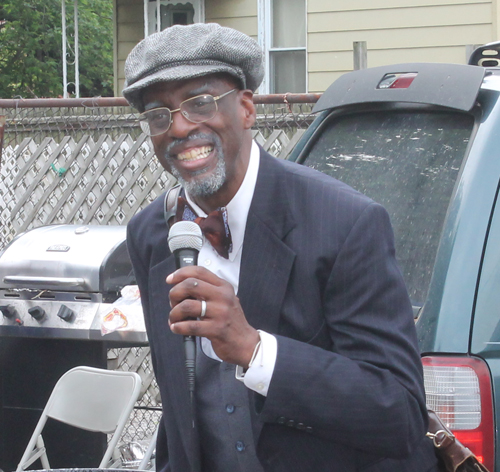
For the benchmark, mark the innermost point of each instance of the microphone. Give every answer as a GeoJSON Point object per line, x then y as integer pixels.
{"type": "Point", "coordinates": [184, 241]}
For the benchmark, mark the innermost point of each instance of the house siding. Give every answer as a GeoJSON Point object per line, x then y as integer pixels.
{"type": "Point", "coordinates": [129, 25]}
{"type": "Point", "coordinates": [238, 14]}
{"type": "Point", "coordinates": [395, 31]}
{"type": "Point", "coordinates": [129, 30]}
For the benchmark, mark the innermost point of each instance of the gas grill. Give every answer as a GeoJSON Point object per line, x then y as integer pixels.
{"type": "Point", "coordinates": [59, 281]}
{"type": "Point", "coordinates": [57, 285]}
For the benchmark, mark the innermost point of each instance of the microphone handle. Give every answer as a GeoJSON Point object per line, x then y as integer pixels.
{"type": "Point", "coordinates": [188, 257]}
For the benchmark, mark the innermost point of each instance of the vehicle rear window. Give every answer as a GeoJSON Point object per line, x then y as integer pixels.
{"type": "Point", "coordinates": [409, 162]}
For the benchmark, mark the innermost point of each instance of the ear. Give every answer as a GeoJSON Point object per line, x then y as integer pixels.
{"type": "Point", "coordinates": [248, 108]}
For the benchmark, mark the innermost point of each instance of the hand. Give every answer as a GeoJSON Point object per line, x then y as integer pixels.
{"type": "Point", "coordinates": [224, 323]}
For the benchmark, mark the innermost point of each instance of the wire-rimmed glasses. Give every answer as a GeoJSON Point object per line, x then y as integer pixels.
{"type": "Point", "coordinates": [196, 109]}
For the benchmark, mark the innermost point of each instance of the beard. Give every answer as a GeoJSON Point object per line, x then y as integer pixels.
{"type": "Point", "coordinates": [201, 184]}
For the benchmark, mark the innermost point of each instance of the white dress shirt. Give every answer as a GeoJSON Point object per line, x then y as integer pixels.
{"type": "Point", "coordinates": [258, 375]}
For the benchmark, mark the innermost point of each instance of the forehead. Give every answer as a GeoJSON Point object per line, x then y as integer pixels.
{"type": "Point", "coordinates": [171, 93]}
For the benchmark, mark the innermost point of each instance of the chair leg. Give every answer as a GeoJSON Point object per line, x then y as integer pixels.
{"type": "Point", "coordinates": [43, 457]}
{"type": "Point", "coordinates": [38, 452]}
{"type": "Point", "coordinates": [147, 456]}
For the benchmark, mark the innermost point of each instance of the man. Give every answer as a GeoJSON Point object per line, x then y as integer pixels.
{"type": "Point", "coordinates": [313, 365]}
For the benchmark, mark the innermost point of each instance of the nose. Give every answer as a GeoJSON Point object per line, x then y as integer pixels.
{"type": "Point", "coordinates": [180, 127]}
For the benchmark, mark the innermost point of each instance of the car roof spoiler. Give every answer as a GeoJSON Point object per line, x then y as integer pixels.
{"type": "Point", "coordinates": [487, 55]}
{"type": "Point", "coordinates": [448, 85]}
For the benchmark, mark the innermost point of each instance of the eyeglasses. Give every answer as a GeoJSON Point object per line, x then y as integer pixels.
{"type": "Point", "coordinates": [197, 110]}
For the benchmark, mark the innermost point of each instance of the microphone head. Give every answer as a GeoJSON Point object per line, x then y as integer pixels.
{"type": "Point", "coordinates": [185, 234]}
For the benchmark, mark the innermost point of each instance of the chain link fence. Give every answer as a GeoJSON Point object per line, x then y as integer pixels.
{"type": "Point", "coordinates": [85, 161]}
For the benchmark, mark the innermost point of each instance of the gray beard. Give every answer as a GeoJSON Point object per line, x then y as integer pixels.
{"type": "Point", "coordinates": [202, 184]}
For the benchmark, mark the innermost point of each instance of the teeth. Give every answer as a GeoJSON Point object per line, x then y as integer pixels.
{"type": "Point", "coordinates": [195, 153]}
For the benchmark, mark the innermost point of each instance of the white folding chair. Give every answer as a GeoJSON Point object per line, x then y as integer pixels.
{"type": "Point", "coordinates": [145, 463]}
{"type": "Point", "coordinates": [87, 398]}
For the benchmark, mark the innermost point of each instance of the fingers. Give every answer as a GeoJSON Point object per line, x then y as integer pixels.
{"type": "Point", "coordinates": [189, 288]}
{"type": "Point", "coordinates": [204, 302]}
{"type": "Point", "coordinates": [196, 292]}
{"type": "Point", "coordinates": [199, 284]}
{"type": "Point", "coordinates": [195, 272]}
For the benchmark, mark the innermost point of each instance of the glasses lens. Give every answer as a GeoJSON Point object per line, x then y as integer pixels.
{"type": "Point", "coordinates": [155, 122]}
{"type": "Point", "coordinates": [199, 109]}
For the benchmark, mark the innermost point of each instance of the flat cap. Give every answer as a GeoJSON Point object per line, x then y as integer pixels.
{"type": "Point", "coordinates": [187, 52]}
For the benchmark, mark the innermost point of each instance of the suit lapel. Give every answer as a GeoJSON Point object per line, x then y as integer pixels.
{"type": "Point", "coordinates": [266, 261]}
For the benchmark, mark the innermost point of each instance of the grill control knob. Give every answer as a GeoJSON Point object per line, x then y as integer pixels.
{"type": "Point", "coordinates": [37, 312]}
{"type": "Point", "coordinates": [65, 313]}
{"type": "Point", "coordinates": [9, 311]}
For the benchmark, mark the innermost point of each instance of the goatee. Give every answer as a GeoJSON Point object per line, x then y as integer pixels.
{"type": "Point", "coordinates": [202, 183]}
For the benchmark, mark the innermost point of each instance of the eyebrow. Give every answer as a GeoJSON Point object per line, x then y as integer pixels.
{"type": "Point", "coordinates": [201, 90]}
{"type": "Point", "coordinates": [152, 105]}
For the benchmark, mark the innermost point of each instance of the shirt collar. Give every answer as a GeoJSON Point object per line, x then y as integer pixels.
{"type": "Point", "coordinates": [239, 206]}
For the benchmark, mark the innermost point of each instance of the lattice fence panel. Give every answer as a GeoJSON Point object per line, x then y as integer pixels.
{"type": "Point", "coordinates": [89, 182]}
{"type": "Point", "coordinates": [84, 182]}
{"type": "Point", "coordinates": [147, 412]}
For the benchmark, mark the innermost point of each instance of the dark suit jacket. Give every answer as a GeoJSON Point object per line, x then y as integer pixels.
{"type": "Point", "coordinates": [318, 270]}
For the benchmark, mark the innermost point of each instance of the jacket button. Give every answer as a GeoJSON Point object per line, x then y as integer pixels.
{"type": "Point", "coordinates": [240, 446]}
{"type": "Point", "coordinates": [281, 420]}
{"type": "Point", "coordinates": [290, 423]}
{"type": "Point", "coordinates": [309, 429]}
{"type": "Point", "coordinates": [301, 426]}
{"type": "Point", "coordinates": [230, 408]}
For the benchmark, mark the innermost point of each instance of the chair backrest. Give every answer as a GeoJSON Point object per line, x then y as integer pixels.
{"type": "Point", "coordinates": [88, 398]}
{"type": "Point", "coordinates": [93, 399]}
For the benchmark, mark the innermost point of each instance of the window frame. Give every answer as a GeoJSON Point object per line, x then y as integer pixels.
{"type": "Point", "coordinates": [149, 13]}
{"type": "Point", "coordinates": [265, 32]}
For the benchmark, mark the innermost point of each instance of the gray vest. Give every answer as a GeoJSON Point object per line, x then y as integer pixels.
{"type": "Point", "coordinates": [223, 416]}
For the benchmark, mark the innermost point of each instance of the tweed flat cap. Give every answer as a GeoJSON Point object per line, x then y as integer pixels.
{"type": "Point", "coordinates": [187, 52]}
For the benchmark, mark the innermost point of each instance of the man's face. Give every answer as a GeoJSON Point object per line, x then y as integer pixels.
{"type": "Point", "coordinates": [209, 158]}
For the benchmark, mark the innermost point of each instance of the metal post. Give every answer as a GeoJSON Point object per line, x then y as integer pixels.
{"type": "Point", "coordinates": [65, 61]}
{"type": "Point", "coordinates": [469, 49]}
{"type": "Point", "coordinates": [158, 16]}
{"type": "Point", "coordinates": [77, 63]}
{"type": "Point", "coordinates": [146, 32]}
{"type": "Point", "coordinates": [360, 55]}
{"type": "Point", "coordinates": [2, 127]}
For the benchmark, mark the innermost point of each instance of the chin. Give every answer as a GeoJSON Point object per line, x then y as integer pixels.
{"type": "Point", "coordinates": [203, 186]}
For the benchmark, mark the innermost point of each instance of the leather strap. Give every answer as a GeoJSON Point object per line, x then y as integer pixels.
{"type": "Point", "coordinates": [170, 204]}
{"type": "Point", "coordinates": [453, 455]}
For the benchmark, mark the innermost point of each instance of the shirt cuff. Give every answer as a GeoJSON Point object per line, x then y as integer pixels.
{"type": "Point", "coordinates": [260, 372]}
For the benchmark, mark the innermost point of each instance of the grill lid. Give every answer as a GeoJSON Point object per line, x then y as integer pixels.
{"type": "Point", "coordinates": [68, 258]}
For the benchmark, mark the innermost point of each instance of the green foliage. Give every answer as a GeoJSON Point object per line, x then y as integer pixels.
{"type": "Point", "coordinates": [31, 48]}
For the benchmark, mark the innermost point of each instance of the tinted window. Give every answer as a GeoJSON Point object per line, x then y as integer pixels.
{"type": "Point", "coordinates": [408, 162]}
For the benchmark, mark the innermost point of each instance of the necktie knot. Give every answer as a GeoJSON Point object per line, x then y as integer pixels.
{"type": "Point", "coordinates": [214, 227]}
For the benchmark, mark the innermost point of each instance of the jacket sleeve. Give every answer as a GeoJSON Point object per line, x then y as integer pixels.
{"type": "Point", "coordinates": [366, 391]}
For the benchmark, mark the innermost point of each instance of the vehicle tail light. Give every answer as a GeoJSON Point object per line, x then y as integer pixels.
{"type": "Point", "coordinates": [459, 390]}
{"type": "Point", "coordinates": [398, 80]}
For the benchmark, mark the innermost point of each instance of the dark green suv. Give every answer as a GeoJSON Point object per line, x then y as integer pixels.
{"type": "Point", "coordinates": [424, 140]}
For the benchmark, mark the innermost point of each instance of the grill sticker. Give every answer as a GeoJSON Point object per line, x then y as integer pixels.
{"type": "Point", "coordinates": [58, 248]}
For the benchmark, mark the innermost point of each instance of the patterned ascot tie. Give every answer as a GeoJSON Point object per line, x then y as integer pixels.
{"type": "Point", "coordinates": [214, 227]}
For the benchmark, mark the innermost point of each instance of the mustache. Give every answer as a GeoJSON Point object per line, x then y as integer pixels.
{"type": "Point", "coordinates": [186, 141]}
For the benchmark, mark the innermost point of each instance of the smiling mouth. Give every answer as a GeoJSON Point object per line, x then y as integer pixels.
{"type": "Point", "coordinates": [195, 154]}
